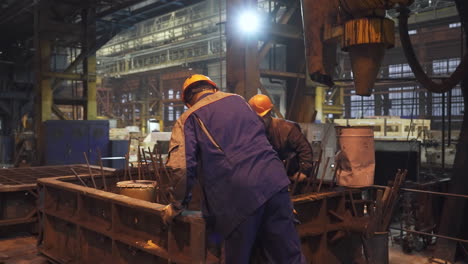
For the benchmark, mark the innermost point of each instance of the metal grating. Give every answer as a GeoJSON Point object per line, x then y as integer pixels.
{"type": "Point", "coordinates": [21, 176]}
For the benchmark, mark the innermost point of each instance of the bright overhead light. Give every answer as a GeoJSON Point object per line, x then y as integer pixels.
{"type": "Point", "coordinates": [249, 21]}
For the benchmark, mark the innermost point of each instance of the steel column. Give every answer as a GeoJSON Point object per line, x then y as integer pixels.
{"type": "Point", "coordinates": [242, 65]}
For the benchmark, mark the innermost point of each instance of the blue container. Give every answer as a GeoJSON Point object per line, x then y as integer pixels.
{"type": "Point", "coordinates": [66, 140]}
{"type": "Point", "coordinates": [117, 148]}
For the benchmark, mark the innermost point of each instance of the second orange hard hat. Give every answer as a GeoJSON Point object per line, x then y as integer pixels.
{"type": "Point", "coordinates": [261, 104]}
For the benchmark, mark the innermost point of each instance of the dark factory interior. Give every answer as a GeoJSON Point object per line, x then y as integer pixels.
{"type": "Point", "coordinates": [233, 131]}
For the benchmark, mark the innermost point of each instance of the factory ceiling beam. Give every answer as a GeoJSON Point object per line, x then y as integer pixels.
{"type": "Point", "coordinates": [15, 9]}
{"type": "Point", "coordinates": [281, 74]}
{"type": "Point", "coordinates": [284, 31]}
{"type": "Point", "coordinates": [284, 19]}
{"type": "Point", "coordinates": [112, 9]}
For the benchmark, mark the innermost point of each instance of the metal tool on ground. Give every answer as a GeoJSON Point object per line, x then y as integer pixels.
{"type": "Point", "coordinates": [90, 172]}
{"type": "Point", "coordinates": [102, 170]}
{"type": "Point", "coordinates": [78, 177]}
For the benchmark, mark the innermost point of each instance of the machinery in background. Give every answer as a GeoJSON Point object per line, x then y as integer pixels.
{"type": "Point", "coordinates": [392, 128]}
{"type": "Point", "coordinates": [359, 26]}
{"type": "Point", "coordinates": [322, 138]}
{"type": "Point", "coordinates": [413, 135]}
{"type": "Point", "coordinates": [65, 141]}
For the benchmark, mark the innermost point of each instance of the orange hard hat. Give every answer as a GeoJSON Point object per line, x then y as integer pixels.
{"type": "Point", "coordinates": [195, 79]}
{"type": "Point", "coordinates": [261, 104]}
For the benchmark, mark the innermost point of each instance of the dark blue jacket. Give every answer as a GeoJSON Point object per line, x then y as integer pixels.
{"type": "Point", "coordinates": [221, 142]}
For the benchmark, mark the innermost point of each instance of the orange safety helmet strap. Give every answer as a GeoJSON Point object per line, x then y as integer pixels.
{"type": "Point", "coordinates": [261, 104]}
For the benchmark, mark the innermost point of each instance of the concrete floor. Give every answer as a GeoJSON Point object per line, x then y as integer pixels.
{"type": "Point", "coordinates": [397, 256]}
{"type": "Point", "coordinates": [22, 250]}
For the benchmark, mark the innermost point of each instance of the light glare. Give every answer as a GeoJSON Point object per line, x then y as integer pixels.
{"type": "Point", "coordinates": [249, 21]}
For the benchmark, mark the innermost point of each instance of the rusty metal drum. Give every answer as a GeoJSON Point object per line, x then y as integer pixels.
{"type": "Point", "coordinates": [356, 161]}
{"type": "Point", "coordinates": [139, 189]}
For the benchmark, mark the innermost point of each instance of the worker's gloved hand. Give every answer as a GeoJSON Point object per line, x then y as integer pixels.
{"type": "Point", "coordinates": [169, 213]}
{"type": "Point", "coordinates": [295, 216]}
{"type": "Point", "coordinates": [300, 177]}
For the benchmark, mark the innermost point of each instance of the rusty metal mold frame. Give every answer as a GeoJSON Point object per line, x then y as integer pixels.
{"type": "Point", "coordinates": [18, 194]}
{"type": "Point", "coordinates": [85, 225]}
{"type": "Point", "coordinates": [331, 225]}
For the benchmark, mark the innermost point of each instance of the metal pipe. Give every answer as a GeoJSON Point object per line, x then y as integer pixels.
{"type": "Point", "coordinates": [139, 162]}
{"type": "Point", "coordinates": [146, 162]}
{"type": "Point", "coordinates": [449, 113]}
{"type": "Point", "coordinates": [90, 172]}
{"type": "Point", "coordinates": [323, 174]}
{"type": "Point", "coordinates": [443, 131]}
{"type": "Point", "coordinates": [78, 177]}
{"type": "Point", "coordinates": [102, 170]}
{"type": "Point", "coordinates": [428, 192]}
{"type": "Point", "coordinates": [428, 234]}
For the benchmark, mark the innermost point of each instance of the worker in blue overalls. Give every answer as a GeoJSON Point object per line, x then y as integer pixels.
{"type": "Point", "coordinates": [221, 143]}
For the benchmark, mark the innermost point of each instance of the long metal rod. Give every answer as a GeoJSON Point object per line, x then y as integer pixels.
{"type": "Point", "coordinates": [139, 162]}
{"type": "Point", "coordinates": [155, 167]}
{"type": "Point", "coordinates": [78, 177]}
{"type": "Point", "coordinates": [396, 79]}
{"type": "Point", "coordinates": [429, 234]}
{"type": "Point", "coordinates": [449, 115]}
{"type": "Point", "coordinates": [428, 192]}
{"type": "Point", "coordinates": [127, 168]}
{"type": "Point", "coordinates": [102, 170]}
{"type": "Point", "coordinates": [323, 174]}
{"type": "Point", "coordinates": [90, 172]}
{"type": "Point", "coordinates": [146, 162]}
{"type": "Point", "coordinates": [443, 130]}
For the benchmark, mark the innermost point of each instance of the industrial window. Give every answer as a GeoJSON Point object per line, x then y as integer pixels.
{"type": "Point", "coordinates": [362, 106]}
{"type": "Point", "coordinates": [439, 66]}
{"type": "Point", "coordinates": [445, 66]}
{"type": "Point", "coordinates": [399, 70]}
{"type": "Point", "coordinates": [170, 113]}
{"type": "Point", "coordinates": [453, 64]}
{"type": "Point", "coordinates": [392, 128]}
{"type": "Point", "coordinates": [170, 94]}
{"type": "Point", "coordinates": [403, 101]}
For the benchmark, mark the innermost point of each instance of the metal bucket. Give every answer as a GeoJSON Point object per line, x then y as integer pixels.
{"type": "Point", "coordinates": [139, 189]}
{"type": "Point", "coordinates": [356, 161]}
{"type": "Point", "coordinates": [377, 248]}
